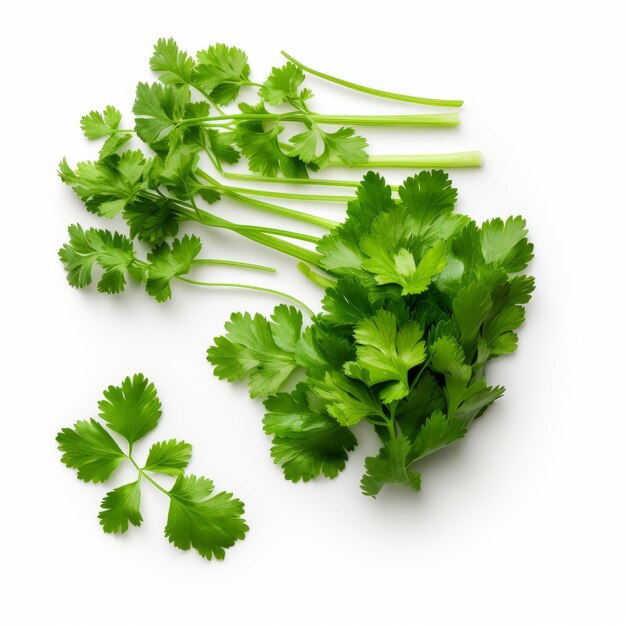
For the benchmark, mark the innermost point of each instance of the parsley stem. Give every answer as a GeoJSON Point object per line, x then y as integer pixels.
{"type": "Point", "coordinates": [254, 234]}
{"type": "Point", "coordinates": [419, 119]}
{"type": "Point", "coordinates": [268, 207]}
{"type": "Point", "coordinates": [274, 292]}
{"type": "Point", "coordinates": [287, 195]}
{"type": "Point", "coordinates": [324, 182]}
{"type": "Point", "coordinates": [314, 277]}
{"type": "Point", "coordinates": [143, 474]}
{"type": "Point", "coordinates": [282, 211]}
{"type": "Point", "coordinates": [471, 158]}
{"type": "Point", "coordinates": [374, 92]}
{"type": "Point", "coordinates": [252, 266]}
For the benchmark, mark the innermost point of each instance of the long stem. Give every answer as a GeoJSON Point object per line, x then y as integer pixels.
{"type": "Point", "coordinates": [286, 247]}
{"type": "Point", "coordinates": [314, 277]}
{"type": "Point", "coordinates": [421, 119]}
{"type": "Point", "coordinates": [269, 207]}
{"type": "Point", "coordinates": [282, 211]}
{"type": "Point", "coordinates": [252, 266]}
{"type": "Point", "coordinates": [453, 159]}
{"type": "Point", "coordinates": [274, 292]}
{"type": "Point", "coordinates": [287, 195]}
{"type": "Point", "coordinates": [324, 182]}
{"type": "Point", "coordinates": [374, 92]}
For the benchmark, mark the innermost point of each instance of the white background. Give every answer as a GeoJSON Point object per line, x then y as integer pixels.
{"type": "Point", "coordinates": [521, 523]}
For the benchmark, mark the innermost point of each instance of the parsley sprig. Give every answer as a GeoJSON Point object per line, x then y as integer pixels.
{"type": "Point", "coordinates": [418, 299]}
{"type": "Point", "coordinates": [198, 518]}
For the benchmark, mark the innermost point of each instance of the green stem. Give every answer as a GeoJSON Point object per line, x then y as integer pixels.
{"type": "Point", "coordinates": [286, 247]}
{"type": "Point", "coordinates": [325, 182]}
{"type": "Point", "coordinates": [274, 292]}
{"type": "Point", "coordinates": [268, 207]}
{"type": "Point", "coordinates": [276, 209]}
{"type": "Point", "coordinates": [314, 277]}
{"type": "Point", "coordinates": [420, 119]}
{"type": "Point", "coordinates": [453, 159]}
{"type": "Point", "coordinates": [142, 474]}
{"type": "Point", "coordinates": [278, 232]}
{"type": "Point", "coordinates": [287, 195]}
{"type": "Point", "coordinates": [252, 266]}
{"type": "Point", "coordinates": [374, 92]}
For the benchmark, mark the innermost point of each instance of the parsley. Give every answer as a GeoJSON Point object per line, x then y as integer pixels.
{"type": "Point", "coordinates": [198, 518]}
{"type": "Point", "coordinates": [420, 300]}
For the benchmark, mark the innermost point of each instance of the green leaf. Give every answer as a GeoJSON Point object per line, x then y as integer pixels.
{"type": "Point", "coordinates": [258, 349]}
{"type": "Point", "coordinates": [389, 468]}
{"type": "Point", "coordinates": [347, 303]}
{"type": "Point", "coordinates": [152, 220]}
{"type": "Point", "coordinates": [425, 398]}
{"type": "Point", "coordinates": [222, 70]}
{"type": "Point", "coordinates": [114, 144]}
{"type": "Point", "coordinates": [282, 86]}
{"type": "Point", "coordinates": [438, 431]}
{"type": "Point", "coordinates": [132, 409]}
{"type": "Point", "coordinates": [167, 263]}
{"type": "Point", "coordinates": [505, 245]}
{"type": "Point", "coordinates": [96, 124]}
{"type": "Point", "coordinates": [470, 308]}
{"type": "Point", "coordinates": [262, 148]}
{"type": "Point", "coordinates": [307, 441]}
{"type": "Point", "coordinates": [387, 352]}
{"type": "Point", "coordinates": [158, 108]}
{"type": "Point", "coordinates": [175, 67]}
{"type": "Point", "coordinates": [112, 252]}
{"type": "Point", "coordinates": [168, 457]}
{"type": "Point", "coordinates": [401, 268]}
{"type": "Point", "coordinates": [120, 507]}
{"type": "Point", "coordinates": [178, 170]}
{"type": "Point", "coordinates": [198, 520]}
{"type": "Point", "coordinates": [345, 144]}
{"type": "Point", "coordinates": [106, 186]}
{"type": "Point", "coordinates": [430, 198]}
{"type": "Point", "coordinates": [347, 400]}
{"type": "Point", "coordinates": [90, 449]}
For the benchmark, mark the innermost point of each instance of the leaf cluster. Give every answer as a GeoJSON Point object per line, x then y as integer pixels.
{"type": "Point", "coordinates": [423, 299]}
{"type": "Point", "coordinates": [198, 518]}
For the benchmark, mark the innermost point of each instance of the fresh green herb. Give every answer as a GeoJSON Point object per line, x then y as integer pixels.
{"type": "Point", "coordinates": [210, 523]}
{"type": "Point", "coordinates": [420, 299]}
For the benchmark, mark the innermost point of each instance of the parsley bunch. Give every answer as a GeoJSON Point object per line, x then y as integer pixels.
{"type": "Point", "coordinates": [420, 299]}
{"type": "Point", "coordinates": [210, 523]}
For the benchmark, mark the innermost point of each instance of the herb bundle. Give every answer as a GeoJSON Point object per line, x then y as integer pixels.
{"type": "Point", "coordinates": [421, 299]}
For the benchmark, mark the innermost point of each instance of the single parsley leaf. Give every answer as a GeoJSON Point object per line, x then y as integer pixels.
{"type": "Point", "coordinates": [121, 507]}
{"type": "Point", "coordinates": [282, 86]}
{"type": "Point", "coordinates": [175, 67]}
{"type": "Point", "coordinates": [438, 431]}
{"type": "Point", "coordinates": [112, 252]}
{"type": "Point", "coordinates": [347, 400]}
{"type": "Point", "coordinates": [132, 409]}
{"type": "Point", "coordinates": [158, 108]}
{"type": "Point", "coordinates": [90, 449]}
{"type": "Point", "coordinates": [504, 244]}
{"type": "Point", "coordinates": [168, 457]}
{"type": "Point", "coordinates": [307, 441]}
{"type": "Point", "coordinates": [262, 147]}
{"type": "Point", "coordinates": [98, 124]}
{"type": "Point", "coordinates": [197, 519]}
{"type": "Point", "coordinates": [390, 468]}
{"type": "Point", "coordinates": [222, 70]}
{"type": "Point", "coordinates": [387, 352]}
{"type": "Point", "coordinates": [166, 263]}
{"type": "Point", "coordinates": [259, 349]}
